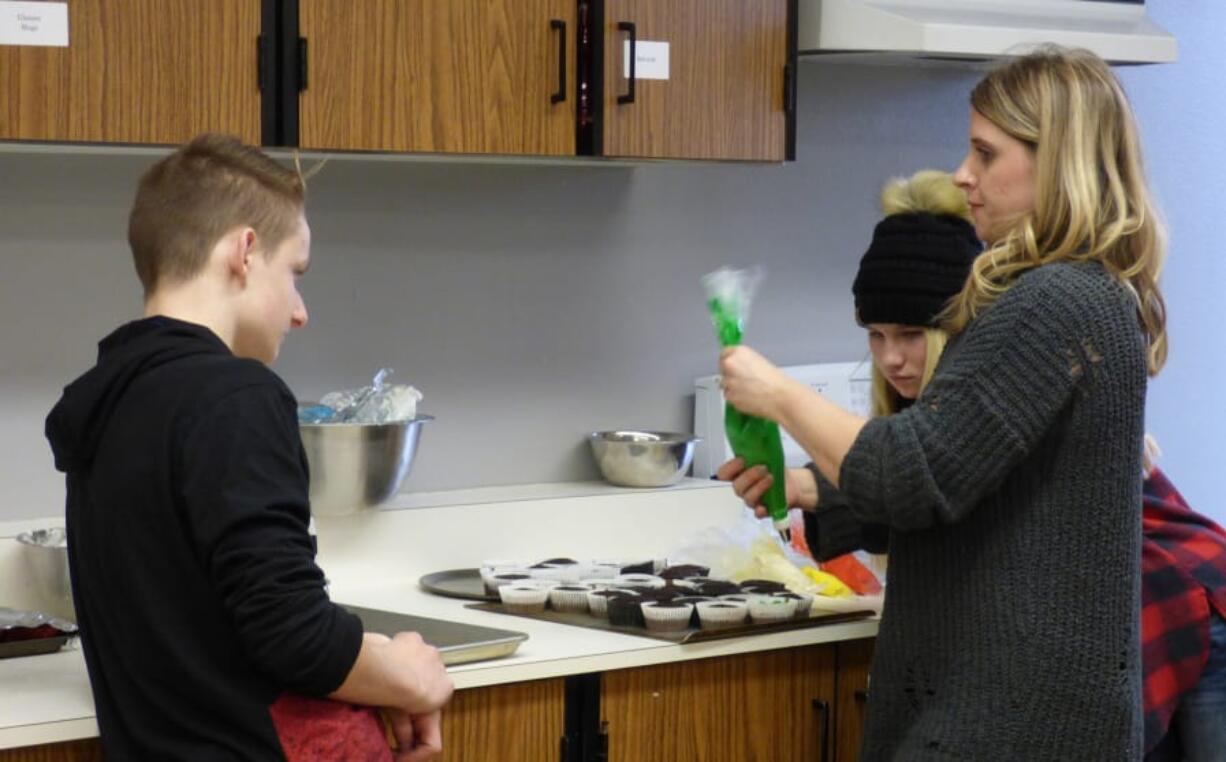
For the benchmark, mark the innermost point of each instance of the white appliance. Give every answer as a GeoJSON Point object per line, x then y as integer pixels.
{"type": "Point", "coordinates": [848, 384]}
{"type": "Point", "coordinates": [1117, 30]}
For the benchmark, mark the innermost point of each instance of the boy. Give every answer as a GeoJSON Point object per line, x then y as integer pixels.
{"type": "Point", "coordinates": [193, 570]}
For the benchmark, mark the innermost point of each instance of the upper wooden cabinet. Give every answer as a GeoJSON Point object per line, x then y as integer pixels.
{"type": "Point", "coordinates": [138, 71]}
{"type": "Point", "coordinates": [727, 93]}
{"type": "Point", "coordinates": [448, 76]}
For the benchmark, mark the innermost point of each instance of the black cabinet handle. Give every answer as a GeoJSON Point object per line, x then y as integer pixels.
{"type": "Point", "coordinates": [628, 28]}
{"type": "Point", "coordinates": [560, 95]}
{"type": "Point", "coordinates": [823, 739]}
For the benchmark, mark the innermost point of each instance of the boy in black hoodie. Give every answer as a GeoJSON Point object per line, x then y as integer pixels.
{"type": "Point", "coordinates": [193, 568]}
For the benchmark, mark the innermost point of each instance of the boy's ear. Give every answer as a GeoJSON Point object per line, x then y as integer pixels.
{"type": "Point", "coordinates": [240, 249]}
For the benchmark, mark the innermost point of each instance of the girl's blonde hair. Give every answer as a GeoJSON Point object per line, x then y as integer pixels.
{"type": "Point", "coordinates": [887, 401]}
{"type": "Point", "coordinates": [1091, 199]}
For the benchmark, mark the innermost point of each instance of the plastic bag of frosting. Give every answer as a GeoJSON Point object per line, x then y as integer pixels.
{"type": "Point", "coordinates": [755, 440]}
{"type": "Point", "coordinates": [380, 402]}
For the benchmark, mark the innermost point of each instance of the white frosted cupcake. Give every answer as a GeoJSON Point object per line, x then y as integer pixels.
{"type": "Point", "coordinates": [667, 616]}
{"type": "Point", "coordinates": [569, 598]}
{"type": "Point", "coordinates": [715, 615]}
{"type": "Point", "coordinates": [523, 599]}
{"type": "Point", "coordinates": [769, 608]}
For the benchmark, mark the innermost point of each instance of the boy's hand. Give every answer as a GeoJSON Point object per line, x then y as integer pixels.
{"type": "Point", "coordinates": [419, 737]}
{"type": "Point", "coordinates": [432, 685]}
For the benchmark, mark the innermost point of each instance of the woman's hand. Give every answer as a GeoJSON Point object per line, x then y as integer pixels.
{"type": "Point", "coordinates": [750, 484]}
{"type": "Point", "coordinates": [752, 384]}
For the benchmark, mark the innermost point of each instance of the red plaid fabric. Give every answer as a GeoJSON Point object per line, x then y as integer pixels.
{"type": "Point", "coordinates": [1183, 574]}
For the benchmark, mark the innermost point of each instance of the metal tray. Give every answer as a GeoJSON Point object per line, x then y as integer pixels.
{"type": "Point", "coordinates": [457, 583]}
{"type": "Point", "coordinates": [457, 642]}
{"type": "Point", "coordinates": [691, 635]}
{"type": "Point", "coordinates": [34, 646]}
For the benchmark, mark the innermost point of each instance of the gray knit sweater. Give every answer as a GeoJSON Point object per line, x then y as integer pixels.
{"type": "Point", "coordinates": [1012, 491]}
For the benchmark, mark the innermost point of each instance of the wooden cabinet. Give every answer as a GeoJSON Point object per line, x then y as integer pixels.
{"type": "Point", "coordinates": [88, 750]}
{"type": "Point", "coordinates": [854, 659]}
{"type": "Point", "coordinates": [773, 705]}
{"type": "Point", "coordinates": [138, 71]}
{"type": "Point", "coordinates": [725, 96]}
{"type": "Point", "coordinates": [517, 722]}
{"type": "Point", "coordinates": [460, 76]}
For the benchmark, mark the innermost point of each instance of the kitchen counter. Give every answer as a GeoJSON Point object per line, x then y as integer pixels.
{"type": "Point", "coordinates": [45, 699]}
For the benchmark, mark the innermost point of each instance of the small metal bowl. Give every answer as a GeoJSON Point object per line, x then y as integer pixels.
{"type": "Point", "coordinates": [357, 466]}
{"type": "Point", "coordinates": [642, 458]}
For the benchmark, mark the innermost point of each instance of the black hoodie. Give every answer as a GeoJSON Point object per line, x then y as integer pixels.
{"type": "Point", "coordinates": [193, 569]}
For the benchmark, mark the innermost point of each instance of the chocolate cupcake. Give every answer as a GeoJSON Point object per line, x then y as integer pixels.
{"type": "Point", "coordinates": [495, 581]}
{"type": "Point", "coordinates": [804, 603]}
{"type": "Point", "coordinates": [523, 600]}
{"type": "Point", "coordinates": [715, 615]}
{"type": "Point", "coordinates": [683, 571]}
{"type": "Point", "coordinates": [716, 588]}
{"type": "Point", "coordinates": [598, 602]}
{"type": "Point", "coordinates": [625, 609]}
{"type": "Point", "coordinates": [639, 567]}
{"type": "Point", "coordinates": [770, 608]}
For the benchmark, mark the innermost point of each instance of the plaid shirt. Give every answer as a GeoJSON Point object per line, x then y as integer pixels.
{"type": "Point", "coordinates": [1183, 574]}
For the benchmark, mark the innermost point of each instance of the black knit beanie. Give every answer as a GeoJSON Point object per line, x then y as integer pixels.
{"type": "Point", "coordinates": [915, 264]}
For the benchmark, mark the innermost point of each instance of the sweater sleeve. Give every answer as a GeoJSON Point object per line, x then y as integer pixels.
{"type": "Point", "coordinates": [834, 530]}
{"type": "Point", "coordinates": [245, 496]}
{"type": "Point", "coordinates": [999, 389]}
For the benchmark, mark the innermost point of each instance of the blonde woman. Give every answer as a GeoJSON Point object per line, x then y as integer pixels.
{"type": "Point", "coordinates": [1012, 487]}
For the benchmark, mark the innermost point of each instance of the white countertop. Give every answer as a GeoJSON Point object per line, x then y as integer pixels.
{"type": "Point", "coordinates": [45, 699]}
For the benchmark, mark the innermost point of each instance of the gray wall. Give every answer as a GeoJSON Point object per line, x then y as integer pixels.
{"type": "Point", "coordinates": [534, 303]}
{"type": "Point", "coordinates": [530, 304]}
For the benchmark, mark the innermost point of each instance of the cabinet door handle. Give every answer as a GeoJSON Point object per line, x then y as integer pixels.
{"type": "Point", "coordinates": [628, 28]}
{"type": "Point", "coordinates": [823, 739]}
{"type": "Point", "coordinates": [560, 95]}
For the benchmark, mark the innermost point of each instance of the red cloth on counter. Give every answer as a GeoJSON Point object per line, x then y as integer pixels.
{"type": "Point", "coordinates": [1183, 575]}
{"type": "Point", "coordinates": [320, 730]}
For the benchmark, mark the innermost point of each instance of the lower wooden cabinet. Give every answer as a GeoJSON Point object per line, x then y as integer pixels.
{"type": "Point", "coordinates": [805, 704]}
{"type": "Point", "coordinates": [773, 705]}
{"type": "Point", "coordinates": [89, 750]}
{"type": "Point", "coordinates": [516, 722]}
{"type": "Point", "coordinates": [851, 702]}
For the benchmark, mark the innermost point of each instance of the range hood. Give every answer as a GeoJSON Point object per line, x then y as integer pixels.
{"type": "Point", "coordinates": [903, 30]}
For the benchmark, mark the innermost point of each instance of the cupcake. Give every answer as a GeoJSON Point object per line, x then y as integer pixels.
{"type": "Point", "coordinates": [716, 588]}
{"type": "Point", "coordinates": [497, 580]}
{"type": "Point", "coordinates": [625, 610]}
{"type": "Point", "coordinates": [770, 608]}
{"type": "Point", "coordinates": [598, 602]}
{"type": "Point", "coordinates": [569, 598]}
{"type": "Point", "coordinates": [804, 603]}
{"type": "Point", "coordinates": [684, 571]}
{"type": "Point", "coordinates": [717, 615]}
{"type": "Point", "coordinates": [521, 599]}
{"type": "Point", "coordinates": [639, 567]}
{"type": "Point", "coordinates": [667, 616]}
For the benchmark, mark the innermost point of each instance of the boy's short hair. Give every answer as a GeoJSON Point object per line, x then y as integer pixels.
{"type": "Point", "coordinates": [187, 201]}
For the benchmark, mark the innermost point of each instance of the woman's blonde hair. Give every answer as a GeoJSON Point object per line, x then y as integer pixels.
{"type": "Point", "coordinates": [1091, 199]}
{"type": "Point", "coordinates": [887, 401]}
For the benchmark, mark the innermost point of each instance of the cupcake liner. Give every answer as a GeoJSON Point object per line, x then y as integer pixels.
{"type": "Point", "coordinates": [714, 615]}
{"type": "Point", "coordinates": [497, 580]}
{"type": "Point", "coordinates": [667, 617]}
{"type": "Point", "coordinates": [569, 598]}
{"type": "Point", "coordinates": [695, 600]}
{"type": "Point", "coordinates": [598, 603]}
{"type": "Point", "coordinates": [769, 608]}
{"type": "Point", "coordinates": [523, 599]}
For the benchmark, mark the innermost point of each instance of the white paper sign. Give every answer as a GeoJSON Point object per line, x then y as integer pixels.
{"type": "Point", "coordinates": [650, 62]}
{"type": "Point", "coordinates": [36, 24]}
